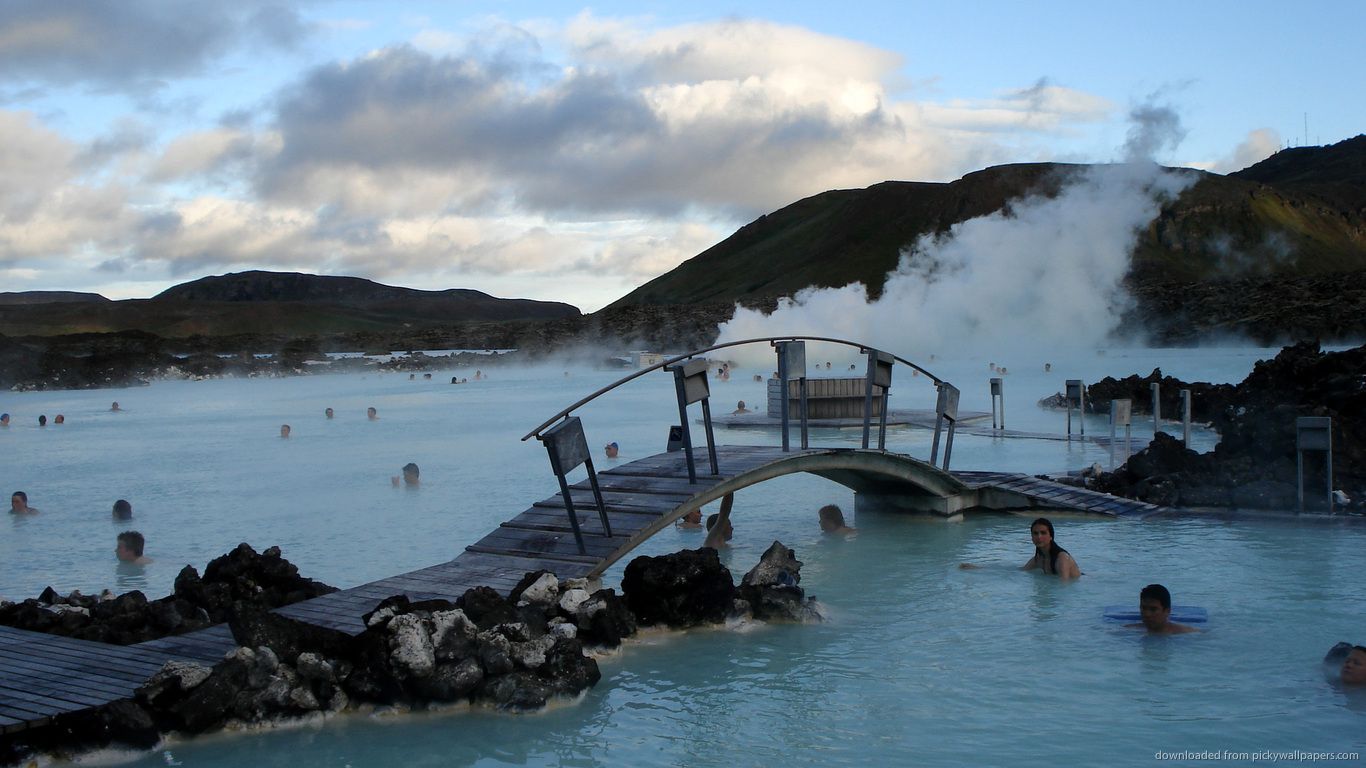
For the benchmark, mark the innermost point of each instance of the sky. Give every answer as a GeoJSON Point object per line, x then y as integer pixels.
{"type": "Point", "coordinates": [573, 152]}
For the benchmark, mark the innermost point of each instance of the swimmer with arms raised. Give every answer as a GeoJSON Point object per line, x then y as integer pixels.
{"type": "Point", "coordinates": [719, 530]}
{"type": "Point", "coordinates": [1155, 610]}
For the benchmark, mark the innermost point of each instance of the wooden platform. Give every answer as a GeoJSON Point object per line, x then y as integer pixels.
{"type": "Point", "coordinates": [44, 676]}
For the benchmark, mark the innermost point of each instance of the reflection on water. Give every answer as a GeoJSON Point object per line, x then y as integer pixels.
{"type": "Point", "coordinates": [130, 576]}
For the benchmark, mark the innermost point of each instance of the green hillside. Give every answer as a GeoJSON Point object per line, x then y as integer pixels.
{"type": "Point", "coordinates": [1296, 215]}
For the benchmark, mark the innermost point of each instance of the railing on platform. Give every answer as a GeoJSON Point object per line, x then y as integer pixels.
{"type": "Point", "coordinates": [564, 441]}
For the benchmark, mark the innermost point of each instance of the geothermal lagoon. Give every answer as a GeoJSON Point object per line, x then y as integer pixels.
{"type": "Point", "coordinates": [921, 663]}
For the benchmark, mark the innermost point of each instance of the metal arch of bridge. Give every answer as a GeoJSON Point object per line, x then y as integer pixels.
{"type": "Point", "coordinates": [690, 371]}
{"type": "Point", "coordinates": [648, 495]}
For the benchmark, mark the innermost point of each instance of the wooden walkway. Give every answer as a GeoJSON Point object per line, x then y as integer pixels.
{"type": "Point", "coordinates": [44, 676]}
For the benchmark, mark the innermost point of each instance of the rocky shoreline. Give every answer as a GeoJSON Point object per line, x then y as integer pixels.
{"type": "Point", "coordinates": [516, 653]}
{"type": "Point", "coordinates": [1254, 463]}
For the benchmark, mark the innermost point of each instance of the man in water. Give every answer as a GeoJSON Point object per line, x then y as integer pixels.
{"type": "Point", "coordinates": [1155, 610]}
{"type": "Point", "coordinates": [328, 413]}
{"type": "Point", "coordinates": [611, 449]}
{"type": "Point", "coordinates": [123, 510]}
{"type": "Point", "coordinates": [129, 548]}
{"type": "Point", "coordinates": [719, 530]}
{"type": "Point", "coordinates": [411, 475]}
{"type": "Point", "coordinates": [18, 504]}
{"type": "Point", "coordinates": [4, 419]}
{"type": "Point", "coordinates": [1354, 666]}
{"type": "Point", "coordinates": [832, 521]}
{"type": "Point", "coordinates": [284, 431]}
{"type": "Point", "coordinates": [739, 409]}
{"type": "Point", "coordinates": [114, 406]}
{"type": "Point", "coordinates": [692, 520]}
{"type": "Point", "coordinates": [371, 413]}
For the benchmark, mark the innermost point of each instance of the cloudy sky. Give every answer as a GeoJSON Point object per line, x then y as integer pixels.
{"type": "Point", "coordinates": [565, 152]}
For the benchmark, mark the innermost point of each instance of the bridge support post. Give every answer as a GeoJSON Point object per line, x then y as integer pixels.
{"type": "Point", "coordinates": [998, 393]}
{"type": "Point", "coordinates": [946, 409]}
{"type": "Point", "coordinates": [1076, 395]}
{"type": "Point", "coordinates": [1157, 407]}
{"type": "Point", "coordinates": [690, 382]}
{"type": "Point", "coordinates": [1186, 417]}
{"type": "Point", "coordinates": [792, 356]}
{"type": "Point", "coordinates": [879, 375]}
{"type": "Point", "coordinates": [1120, 414]}
{"type": "Point", "coordinates": [1313, 433]}
{"type": "Point", "coordinates": [568, 448]}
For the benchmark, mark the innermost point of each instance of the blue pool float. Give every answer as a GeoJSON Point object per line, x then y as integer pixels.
{"type": "Point", "coordinates": [1181, 614]}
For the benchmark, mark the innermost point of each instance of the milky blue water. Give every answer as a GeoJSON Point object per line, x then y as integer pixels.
{"type": "Point", "coordinates": [922, 663]}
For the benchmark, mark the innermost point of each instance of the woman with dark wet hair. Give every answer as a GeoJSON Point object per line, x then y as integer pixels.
{"type": "Point", "coordinates": [1048, 556]}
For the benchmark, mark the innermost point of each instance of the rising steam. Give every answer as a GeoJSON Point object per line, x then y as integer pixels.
{"type": "Point", "coordinates": [1045, 275]}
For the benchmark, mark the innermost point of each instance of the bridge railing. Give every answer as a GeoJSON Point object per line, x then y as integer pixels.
{"type": "Point", "coordinates": [691, 386]}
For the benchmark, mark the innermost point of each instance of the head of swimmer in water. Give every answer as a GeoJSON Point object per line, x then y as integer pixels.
{"type": "Point", "coordinates": [831, 517]}
{"type": "Point", "coordinates": [18, 501]}
{"type": "Point", "coordinates": [130, 546]}
{"type": "Point", "coordinates": [411, 474]}
{"type": "Point", "coordinates": [1041, 533]}
{"type": "Point", "coordinates": [123, 510]}
{"type": "Point", "coordinates": [714, 519]}
{"type": "Point", "coordinates": [371, 413]}
{"type": "Point", "coordinates": [1354, 666]}
{"type": "Point", "coordinates": [328, 413]}
{"type": "Point", "coordinates": [1154, 606]}
{"type": "Point", "coordinates": [284, 430]}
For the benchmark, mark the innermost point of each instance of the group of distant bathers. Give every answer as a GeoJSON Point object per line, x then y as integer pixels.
{"type": "Point", "coordinates": [720, 531]}
{"type": "Point", "coordinates": [130, 543]}
{"type": "Point", "coordinates": [286, 430]}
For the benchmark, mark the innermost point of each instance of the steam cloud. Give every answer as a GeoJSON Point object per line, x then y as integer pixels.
{"type": "Point", "coordinates": [1045, 275]}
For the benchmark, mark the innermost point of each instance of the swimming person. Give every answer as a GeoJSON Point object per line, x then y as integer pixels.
{"type": "Point", "coordinates": [42, 420]}
{"type": "Point", "coordinates": [1354, 666]}
{"type": "Point", "coordinates": [740, 408]}
{"type": "Point", "coordinates": [123, 510]}
{"type": "Point", "coordinates": [1155, 610]}
{"type": "Point", "coordinates": [1048, 556]}
{"type": "Point", "coordinates": [114, 406]}
{"type": "Point", "coordinates": [284, 431]}
{"type": "Point", "coordinates": [719, 530]}
{"type": "Point", "coordinates": [692, 520]}
{"type": "Point", "coordinates": [18, 504]}
{"type": "Point", "coordinates": [411, 474]}
{"type": "Point", "coordinates": [329, 413]}
{"type": "Point", "coordinates": [371, 413]}
{"type": "Point", "coordinates": [129, 548]}
{"type": "Point", "coordinates": [60, 419]}
{"type": "Point", "coordinates": [611, 449]}
{"type": "Point", "coordinates": [832, 521]}
{"type": "Point", "coordinates": [4, 419]}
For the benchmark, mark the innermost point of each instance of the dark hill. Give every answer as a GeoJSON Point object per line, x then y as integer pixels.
{"type": "Point", "coordinates": [10, 299]}
{"type": "Point", "coordinates": [278, 304]}
{"type": "Point", "coordinates": [1253, 247]}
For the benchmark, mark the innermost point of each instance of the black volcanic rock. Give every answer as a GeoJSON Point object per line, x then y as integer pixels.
{"type": "Point", "coordinates": [1254, 464]}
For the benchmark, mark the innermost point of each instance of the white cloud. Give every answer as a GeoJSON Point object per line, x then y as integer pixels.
{"type": "Point", "coordinates": [1257, 146]}
{"type": "Point", "coordinates": [468, 156]}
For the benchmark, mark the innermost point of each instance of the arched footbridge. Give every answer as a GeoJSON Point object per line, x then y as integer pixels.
{"type": "Point", "coordinates": [590, 524]}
